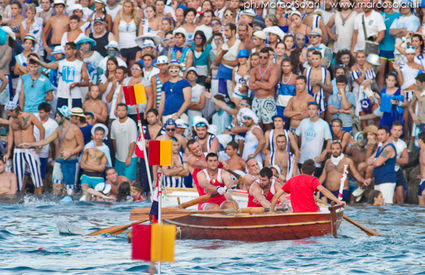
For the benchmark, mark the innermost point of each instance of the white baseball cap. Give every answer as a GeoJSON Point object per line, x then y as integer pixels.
{"type": "Point", "coordinates": [162, 59]}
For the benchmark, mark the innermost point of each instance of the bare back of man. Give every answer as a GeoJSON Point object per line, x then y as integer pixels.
{"type": "Point", "coordinates": [98, 108]}
{"type": "Point", "coordinates": [8, 183]}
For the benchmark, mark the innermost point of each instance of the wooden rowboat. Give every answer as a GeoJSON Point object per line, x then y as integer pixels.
{"type": "Point", "coordinates": [259, 228]}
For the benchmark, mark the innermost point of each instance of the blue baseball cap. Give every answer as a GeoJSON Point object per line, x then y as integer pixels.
{"type": "Point", "coordinates": [243, 53]}
{"type": "Point", "coordinates": [170, 122]}
{"type": "Point", "coordinates": [279, 115]}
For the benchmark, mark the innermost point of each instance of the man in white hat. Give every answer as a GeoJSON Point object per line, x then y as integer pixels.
{"type": "Point", "coordinates": [147, 46]}
{"type": "Point", "coordinates": [247, 16]}
{"type": "Point", "coordinates": [208, 141]}
{"type": "Point", "coordinates": [58, 24]}
{"type": "Point", "coordinates": [159, 79]}
{"type": "Point", "coordinates": [21, 131]}
{"type": "Point", "coordinates": [258, 38]}
{"type": "Point", "coordinates": [315, 39]}
{"type": "Point", "coordinates": [254, 138]}
{"type": "Point", "coordinates": [180, 52]}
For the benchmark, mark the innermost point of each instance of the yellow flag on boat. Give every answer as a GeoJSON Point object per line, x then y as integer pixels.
{"type": "Point", "coordinates": [153, 243]}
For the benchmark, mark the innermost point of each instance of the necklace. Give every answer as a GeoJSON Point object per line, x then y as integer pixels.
{"type": "Point", "coordinates": [286, 82]}
{"type": "Point", "coordinates": [263, 73]}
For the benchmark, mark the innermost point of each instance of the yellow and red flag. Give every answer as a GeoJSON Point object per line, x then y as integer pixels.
{"type": "Point", "coordinates": [160, 152]}
{"type": "Point", "coordinates": [134, 94]}
{"type": "Point", "coordinates": [153, 243]}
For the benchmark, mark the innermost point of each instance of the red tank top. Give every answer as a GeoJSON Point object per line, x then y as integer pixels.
{"type": "Point", "coordinates": [252, 202]}
{"type": "Point", "coordinates": [218, 199]}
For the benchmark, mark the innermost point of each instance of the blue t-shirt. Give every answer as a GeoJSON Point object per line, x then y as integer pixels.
{"type": "Point", "coordinates": [174, 97]}
{"type": "Point", "coordinates": [35, 92]}
{"type": "Point", "coordinates": [388, 43]}
{"type": "Point", "coordinates": [336, 101]}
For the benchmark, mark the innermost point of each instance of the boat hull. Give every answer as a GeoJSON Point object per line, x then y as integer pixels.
{"type": "Point", "coordinates": [258, 228]}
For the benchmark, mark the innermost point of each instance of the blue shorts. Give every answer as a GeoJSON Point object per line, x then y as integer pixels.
{"type": "Point", "coordinates": [129, 53]}
{"type": "Point", "coordinates": [76, 102]}
{"type": "Point", "coordinates": [91, 181]}
{"type": "Point", "coordinates": [348, 129]}
{"type": "Point", "coordinates": [387, 55]}
{"type": "Point", "coordinates": [43, 167]}
{"type": "Point", "coordinates": [69, 168]}
{"type": "Point", "coordinates": [421, 188]}
{"type": "Point", "coordinates": [346, 194]}
{"type": "Point", "coordinates": [400, 180]}
{"type": "Point", "coordinates": [129, 172]}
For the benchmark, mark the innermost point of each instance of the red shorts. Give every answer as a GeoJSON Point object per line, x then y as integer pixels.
{"type": "Point", "coordinates": [219, 200]}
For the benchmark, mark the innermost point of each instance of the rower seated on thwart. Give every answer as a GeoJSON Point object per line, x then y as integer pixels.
{"type": "Point", "coordinates": [302, 188]}
{"type": "Point", "coordinates": [262, 191]}
{"type": "Point", "coordinates": [213, 180]}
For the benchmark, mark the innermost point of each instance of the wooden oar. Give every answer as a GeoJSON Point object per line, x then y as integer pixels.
{"type": "Point", "coordinates": [369, 232]}
{"type": "Point", "coordinates": [118, 229]}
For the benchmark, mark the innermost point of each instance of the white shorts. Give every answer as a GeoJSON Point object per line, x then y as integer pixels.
{"type": "Point", "coordinates": [387, 190]}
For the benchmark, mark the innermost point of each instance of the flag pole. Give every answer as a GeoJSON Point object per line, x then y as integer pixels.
{"type": "Point", "coordinates": [145, 155]}
{"type": "Point", "coordinates": [159, 209]}
{"type": "Point", "coordinates": [342, 182]}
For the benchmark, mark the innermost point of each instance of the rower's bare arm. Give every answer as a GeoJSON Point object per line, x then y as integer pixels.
{"type": "Point", "coordinates": [276, 197]}
{"type": "Point", "coordinates": [195, 163]}
{"type": "Point", "coordinates": [204, 183]}
{"type": "Point", "coordinates": [227, 179]}
{"type": "Point", "coordinates": [257, 193]}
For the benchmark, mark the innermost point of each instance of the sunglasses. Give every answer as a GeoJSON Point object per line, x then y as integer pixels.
{"type": "Point", "coordinates": [135, 69]}
{"type": "Point", "coordinates": [174, 70]}
{"type": "Point", "coordinates": [170, 129]}
{"type": "Point", "coordinates": [336, 141]}
{"type": "Point", "coordinates": [246, 118]}
{"type": "Point", "coordinates": [264, 57]}
{"type": "Point", "coordinates": [198, 38]}
{"type": "Point", "coordinates": [313, 36]}
{"type": "Point", "coordinates": [200, 124]}
{"type": "Point", "coordinates": [244, 104]}
{"type": "Point", "coordinates": [215, 24]}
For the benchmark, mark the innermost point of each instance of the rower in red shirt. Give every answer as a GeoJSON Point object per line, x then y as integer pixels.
{"type": "Point", "coordinates": [302, 188]}
{"type": "Point", "coordinates": [214, 180]}
{"type": "Point", "coordinates": [261, 192]}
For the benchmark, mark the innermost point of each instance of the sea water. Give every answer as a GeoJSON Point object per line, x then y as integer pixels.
{"type": "Point", "coordinates": [40, 236]}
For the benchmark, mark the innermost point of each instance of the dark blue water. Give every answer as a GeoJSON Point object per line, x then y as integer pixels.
{"type": "Point", "coordinates": [40, 236]}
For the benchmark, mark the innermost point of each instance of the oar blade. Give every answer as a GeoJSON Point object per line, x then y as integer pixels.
{"type": "Point", "coordinates": [368, 231]}
{"type": "Point", "coordinates": [117, 229]}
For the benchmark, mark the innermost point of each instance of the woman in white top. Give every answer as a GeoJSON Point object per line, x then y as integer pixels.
{"type": "Point", "coordinates": [101, 13]}
{"type": "Point", "coordinates": [150, 24]}
{"type": "Point", "coordinates": [125, 30]}
{"type": "Point", "coordinates": [34, 26]}
{"type": "Point", "coordinates": [189, 26]}
{"type": "Point", "coordinates": [240, 77]}
{"type": "Point", "coordinates": [108, 81]}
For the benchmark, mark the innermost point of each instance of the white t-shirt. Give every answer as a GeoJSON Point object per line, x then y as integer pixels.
{"type": "Point", "coordinates": [113, 11]}
{"type": "Point", "coordinates": [400, 145]}
{"type": "Point", "coordinates": [124, 134]}
{"type": "Point", "coordinates": [374, 23]}
{"type": "Point", "coordinates": [49, 127]}
{"type": "Point", "coordinates": [313, 136]}
{"type": "Point", "coordinates": [196, 97]}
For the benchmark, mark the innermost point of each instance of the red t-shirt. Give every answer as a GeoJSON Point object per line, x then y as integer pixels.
{"type": "Point", "coordinates": [301, 189]}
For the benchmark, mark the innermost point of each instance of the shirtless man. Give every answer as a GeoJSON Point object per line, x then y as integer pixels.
{"type": "Point", "coordinates": [194, 157]}
{"type": "Point", "coordinates": [8, 183]}
{"type": "Point", "coordinates": [298, 104]}
{"type": "Point", "coordinates": [208, 141]}
{"type": "Point", "coordinates": [421, 188]}
{"type": "Point", "coordinates": [69, 143]}
{"type": "Point", "coordinates": [245, 37]}
{"type": "Point", "coordinates": [418, 103]}
{"type": "Point", "coordinates": [95, 105]}
{"type": "Point", "coordinates": [282, 159]}
{"type": "Point", "coordinates": [334, 169]}
{"type": "Point", "coordinates": [235, 162]}
{"type": "Point", "coordinates": [253, 168]}
{"type": "Point", "coordinates": [93, 163]}
{"type": "Point", "coordinates": [174, 174]}
{"type": "Point", "coordinates": [261, 192]}
{"type": "Point", "coordinates": [318, 80]}
{"type": "Point", "coordinates": [279, 129]}
{"type": "Point", "coordinates": [212, 180]}
{"type": "Point", "coordinates": [58, 24]}
{"type": "Point", "coordinates": [263, 80]}
{"type": "Point", "coordinates": [21, 130]}
{"type": "Point", "coordinates": [114, 180]}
